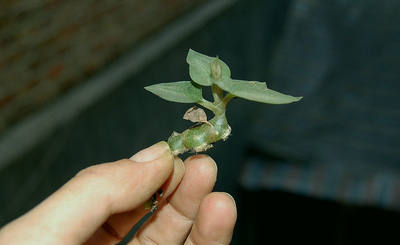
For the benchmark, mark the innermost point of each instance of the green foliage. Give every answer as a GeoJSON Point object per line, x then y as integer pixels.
{"type": "Point", "coordinates": [210, 71]}
{"type": "Point", "coordinates": [256, 91]}
{"type": "Point", "coordinates": [182, 92]}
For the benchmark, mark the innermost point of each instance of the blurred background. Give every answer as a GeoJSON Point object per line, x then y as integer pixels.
{"type": "Point", "coordinates": [325, 170]}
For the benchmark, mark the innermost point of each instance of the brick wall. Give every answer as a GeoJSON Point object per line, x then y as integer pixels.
{"type": "Point", "coordinates": [48, 46]}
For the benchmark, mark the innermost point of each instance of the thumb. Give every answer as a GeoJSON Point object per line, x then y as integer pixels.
{"type": "Point", "coordinates": [128, 183]}
{"type": "Point", "coordinates": [84, 203]}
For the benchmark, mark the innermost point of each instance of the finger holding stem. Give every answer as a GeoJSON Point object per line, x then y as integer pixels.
{"type": "Point", "coordinates": [211, 72]}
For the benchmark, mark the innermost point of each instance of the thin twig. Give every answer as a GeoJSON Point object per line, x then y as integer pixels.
{"type": "Point", "coordinates": [207, 104]}
{"type": "Point", "coordinates": [217, 94]}
{"type": "Point", "coordinates": [228, 98]}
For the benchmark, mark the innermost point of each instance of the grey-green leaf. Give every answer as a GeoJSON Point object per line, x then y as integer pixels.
{"type": "Point", "coordinates": [182, 92]}
{"type": "Point", "coordinates": [256, 91]}
{"type": "Point", "coordinates": [200, 68]}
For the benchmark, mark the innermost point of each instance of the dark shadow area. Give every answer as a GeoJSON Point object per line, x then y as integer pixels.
{"type": "Point", "coordinates": [277, 217]}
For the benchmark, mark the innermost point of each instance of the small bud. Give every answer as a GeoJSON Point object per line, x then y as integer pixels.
{"type": "Point", "coordinates": [216, 69]}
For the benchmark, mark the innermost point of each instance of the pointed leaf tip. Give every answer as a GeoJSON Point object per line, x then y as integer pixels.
{"type": "Point", "coordinates": [182, 92]}
{"type": "Point", "coordinates": [256, 91]}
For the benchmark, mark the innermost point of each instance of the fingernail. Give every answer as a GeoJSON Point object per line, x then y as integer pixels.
{"type": "Point", "coordinates": [176, 177]}
{"type": "Point", "coordinates": [151, 153]}
{"type": "Point", "coordinates": [233, 199]}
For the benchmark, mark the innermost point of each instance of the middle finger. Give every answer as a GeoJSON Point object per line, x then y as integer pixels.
{"type": "Point", "coordinates": [173, 221]}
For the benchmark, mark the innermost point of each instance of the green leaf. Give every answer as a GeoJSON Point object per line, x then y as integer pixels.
{"type": "Point", "coordinates": [182, 92]}
{"type": "Point", "coordinates": [200, 68]}
{"type": "Point", "coordinates": [256, 91]}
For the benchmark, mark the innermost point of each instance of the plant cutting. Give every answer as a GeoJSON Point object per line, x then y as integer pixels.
{"type": "Point", "coordinates": [210, 72]}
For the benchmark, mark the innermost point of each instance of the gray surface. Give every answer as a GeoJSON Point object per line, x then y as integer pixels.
{"type": "Point", "coordinates": [341, 142]}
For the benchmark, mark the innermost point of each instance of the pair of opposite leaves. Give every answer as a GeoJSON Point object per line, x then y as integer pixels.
{"type": "Point", "coordinates": [200, 71]}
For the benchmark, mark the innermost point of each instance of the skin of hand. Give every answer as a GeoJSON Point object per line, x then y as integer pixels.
{"type": "Point", "coordinates": [102, 203]}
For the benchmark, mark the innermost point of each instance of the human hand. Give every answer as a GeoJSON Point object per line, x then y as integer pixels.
{"type": "Point", "coordinates": [102, 203]}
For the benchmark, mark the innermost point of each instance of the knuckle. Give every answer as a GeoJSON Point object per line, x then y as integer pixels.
{"type": "Point", "coordinates": [104, 172]}
{"type": "Point", "coordinates": [125, 160]}
{"type": "Point", "coordinates": [96, 171]}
